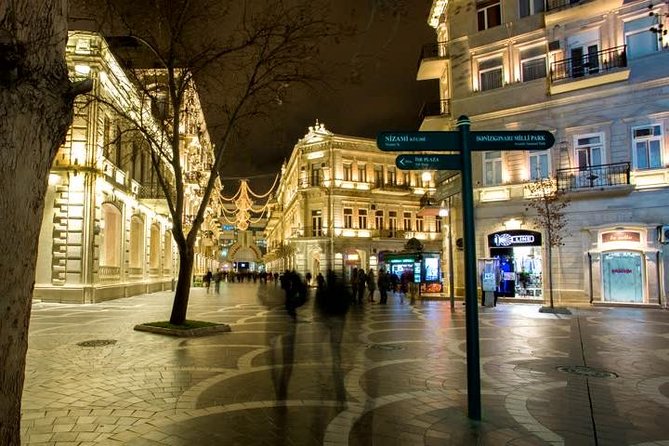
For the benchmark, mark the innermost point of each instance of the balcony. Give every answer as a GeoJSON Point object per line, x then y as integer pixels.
{"type": "Point", "coordinates": [605, 176]}
{"type": "Point", "coordinates": [391, 189]}
{"type": "Point", "coordinates": [150, 191]}
{"type": "Point", "coordinates": [589, 70]}
{"type": "Point", "coordinates": [432, 61]}
{"type": "Point", "coordinates": [435, 108]}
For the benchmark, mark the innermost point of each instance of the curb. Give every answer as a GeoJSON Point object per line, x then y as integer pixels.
{"type": "Point", "coordinates": [189, 333]}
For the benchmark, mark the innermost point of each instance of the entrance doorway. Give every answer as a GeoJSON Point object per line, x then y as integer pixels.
{"type": "Point", "coordinates": [623, 276]}
{"type": "Point", "coordinates": [520, 263]}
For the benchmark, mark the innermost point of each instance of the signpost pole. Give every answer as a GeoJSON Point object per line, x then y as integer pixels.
{"type": "Point", "coordinates": [471, 292]}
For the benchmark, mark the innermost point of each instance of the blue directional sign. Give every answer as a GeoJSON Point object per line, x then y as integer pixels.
{"type": "Point", "coordinates": [418, 141]}
{"type": "Point", "coordinates": [429, 162]}
{"type": "Point", "coordinates": [512, 140]}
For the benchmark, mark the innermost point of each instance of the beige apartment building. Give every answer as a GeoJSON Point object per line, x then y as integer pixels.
{"type": "Point", "coordinates": [596, 74]}
{"type": "Point", "coordinates": [342, 203]}
{"type": "Point", "coordinates": [106, 230]}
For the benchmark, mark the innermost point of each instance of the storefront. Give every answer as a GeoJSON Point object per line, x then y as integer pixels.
{"type": "Point", "coordinates": [423, 267]}
{"type": "Point", "coordinates": [623, 268]}
{"type": "Point", "coordinates": [520, 262]}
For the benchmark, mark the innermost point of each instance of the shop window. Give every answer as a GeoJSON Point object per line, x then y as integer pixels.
{"type": "Point", "coordinates": [316, 223]}
{"type": "Point", "coordinates": [362, 218]}
{"type": "Point", "coordinates": [110, 236]}
{"type": "Point", "coordinates": [407, 221]}
{"type": "Point", "coordinates": [623, 276]}
{"type": "Point", "coordinates": [530, 7]}
{"type": "Point", "coordinates": [136, 242]}
{"type": "Point", "coordinates": [640, 40]}
{"type": "Point", "coordinates": [154, 247]}
{"type": "Point", "coordinates": [489, 14]}
{"type": "Point", "coordinates": [647, 147]}
{"type": "Point", "coordinates": [492, 168]}
{"type": "Point", "coordinates": [490, 74]}
{"type": "Point", "coordinates": [532, 63]}
{"type": "Point", "coordinates": [348, 218]}
{"type": "Point", "coordinates": [539, 167]}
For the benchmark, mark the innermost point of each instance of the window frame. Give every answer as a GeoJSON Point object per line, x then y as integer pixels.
{"type": "Point", "coordinates": [647, 139]}
{"type": "Point", "coordinates": [485, 7]}
{"type": "Point", "coordinates": [348, 172]}
{"type": "Point", "coordinates": [536, 154]}
{"type": "Point", "coordinates": [406, 220]}
{"type": "Point", "coordinates": [578, 147]}
{"type": "Point", "coordinates": [348, 218]}
{"type": "Point", "coordinates": [362, 218]}
{"type": "Point", "coordinates": [493, 162]}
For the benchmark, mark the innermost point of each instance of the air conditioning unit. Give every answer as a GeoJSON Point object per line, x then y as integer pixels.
{"type": "Point", "coordinates": [663, 234]}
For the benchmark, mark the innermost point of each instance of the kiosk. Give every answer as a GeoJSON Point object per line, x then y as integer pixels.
{"type": "Point", "coordinates": [424, 268]}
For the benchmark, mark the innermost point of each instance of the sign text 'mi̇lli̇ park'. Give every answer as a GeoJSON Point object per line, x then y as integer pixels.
{"type": "Point", "coordinates": [478, 140]}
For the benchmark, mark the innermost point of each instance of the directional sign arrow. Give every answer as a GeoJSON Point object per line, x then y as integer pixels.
{"type": "Point", "coordinates": [418, 141]}
{"type": "Point", "coordinates": [512, 140]}
{"type": "Point", "coordinates": [428, 162]}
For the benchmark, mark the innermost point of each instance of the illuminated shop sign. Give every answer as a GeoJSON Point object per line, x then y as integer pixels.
{"type": "Point", "coordinates": [621, 236]}
{"type": "Point", "coordinates": [512, 238]}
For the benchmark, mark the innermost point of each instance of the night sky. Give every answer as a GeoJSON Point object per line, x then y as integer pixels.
{"type": "Point", "coordinates": [375, 89]}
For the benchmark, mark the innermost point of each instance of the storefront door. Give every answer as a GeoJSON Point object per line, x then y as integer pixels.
{"type": "Point", "coordinates": [623, 274]}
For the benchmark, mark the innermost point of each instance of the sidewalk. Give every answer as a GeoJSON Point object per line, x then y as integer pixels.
{"type": "Point", "coordinates": [390, 375]}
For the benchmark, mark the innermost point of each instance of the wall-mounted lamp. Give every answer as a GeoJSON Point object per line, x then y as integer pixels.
{"type": "Point", "coordinates": [443, 211]}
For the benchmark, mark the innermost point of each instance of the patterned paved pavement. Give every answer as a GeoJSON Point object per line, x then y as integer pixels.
{"type": "Point", "coordinates": [386, 375]}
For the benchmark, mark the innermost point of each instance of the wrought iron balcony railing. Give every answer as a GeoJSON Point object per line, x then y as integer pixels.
{"type": "Point", "coordinates": [604, 175]}
{"type": "Point", "coordinates": [433, 50]}
{"type": "Point", "coordinates": [589, 64]}
{"type": "Point", "coordinates": [435, 108]}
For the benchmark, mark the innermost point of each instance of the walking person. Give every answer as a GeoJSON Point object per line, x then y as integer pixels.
{"type": "Point", "coordinates": [361, 285]}
{"type": "Point", "coordinates": [371, 284]}
{"type": "Point", "coordinates": [354, 284]}
{"type": "Point", "coordinates": [217, 281]}
{"type": "Point", "coordinates": [384, 283]}
{"type": "Point", "coordinates": [207, 280]}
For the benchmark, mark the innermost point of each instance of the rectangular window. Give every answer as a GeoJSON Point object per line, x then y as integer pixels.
{"type": "Point", "coordinates": [316, 175]}
{"type": "Point", "coordinates": [362, 218]}
{"type": "Point", "coordinates": [348, 172]}
{"type": "Point", "coordinates": [530, 7]}
{"type": "Point", "coordinates": [490, 74]}
{"type": "Point", "coordinates": [407, 221]}
{"type": "Point", "coordinates": [647, 147]}
{"type": "Point", "coordinates": [640, 40]}
{"type": "Point", "coordinates": [316, 223]}
{"type": "Point", "coordinates": [489, 14]}
{"type": "Point", "coordinates": [437, 222]}
{"type": "Point", "coordinates": [420, 224]}
{"type": "Point", "coordinates": [492, 168]}
{"type": "Point", "coordinates": [589, 150]}
{"type": "Point", "coordinates": [392, 176]}
{"type": "Point", "coordinates": [378, 176]}
{"type": "Point", "coordinates": [348, 218]}
{"type": "Point", "coordinates": [378, 220]}
{"type": "Point", "coordinates": [533, 63]}
{"type": "Point", "coordinates": [406, 178]}
{"type": "Point", "coordinates": [539, 165]}
{"type": "Point", "coordinates": [392, 223]}
{"type": "Point", "coordinates": [362, 173]}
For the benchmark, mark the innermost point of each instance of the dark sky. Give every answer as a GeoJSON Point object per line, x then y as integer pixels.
{"type": "Point", "coordinates": [375, 88]}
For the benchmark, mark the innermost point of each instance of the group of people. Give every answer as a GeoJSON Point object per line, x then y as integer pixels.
{"type": "Point", "coordinates": [232, 276]}
{"type": "Point", "coordinates": [365, 282]}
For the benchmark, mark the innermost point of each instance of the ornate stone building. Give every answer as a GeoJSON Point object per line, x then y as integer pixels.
{"type": "Point", "coordinates": [594, 73]}
{"type": "Point", "coordinates": [106, 228]}
{"type": "Point", "coordinates": [341, 203]}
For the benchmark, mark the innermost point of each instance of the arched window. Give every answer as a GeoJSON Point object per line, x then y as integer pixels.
{"type": "Point", "coordinates": [136, 242]}
{"type": "Point", "coordinates": [167, 251]}
{"type": "Point", "coordinates": [154, 253]}
{"type": "Point", "coordinates": [110, 236]}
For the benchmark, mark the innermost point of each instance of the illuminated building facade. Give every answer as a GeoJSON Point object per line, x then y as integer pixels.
{"type": "Point", "coordinates": [594, 73]}
{"type": "Point", "coordinates": [341, 203]}
{"type": "Point", "coordinates": [106, 227]}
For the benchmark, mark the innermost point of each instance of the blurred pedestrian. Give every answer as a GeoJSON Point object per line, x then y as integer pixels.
{"type": "Point", "coordinates": [362, 278]}
{"type": "Point", "coordinates": [217, 281]}
{"type": "Point", "coordinates": [207, 280]}
{"type": "Point", "coordinates": [371, 284]}
{"type": "Point", "coordinates": [384, 283]}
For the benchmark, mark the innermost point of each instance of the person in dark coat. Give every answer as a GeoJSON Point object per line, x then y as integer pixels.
{"type": "Point", "coordinates": [207, 280]}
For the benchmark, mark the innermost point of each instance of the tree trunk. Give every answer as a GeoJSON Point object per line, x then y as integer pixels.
{"type": "Point", "coordinates": [550, 273]}
{"type": "Point", "coordinates": [180, 305]}
{"type": "Point", "coordinates": [35, 113]}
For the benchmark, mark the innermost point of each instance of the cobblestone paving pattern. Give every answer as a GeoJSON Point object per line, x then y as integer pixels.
{"type": "Point", "coordinates": [385, 375]}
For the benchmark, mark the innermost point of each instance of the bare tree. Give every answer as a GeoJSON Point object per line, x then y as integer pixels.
{"type": "Point", "coordinates": [36, 98]}
{"type": "Point", "coordinates": [549, 203]}
{"type": "Point", "coordinates": [246, 54]}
